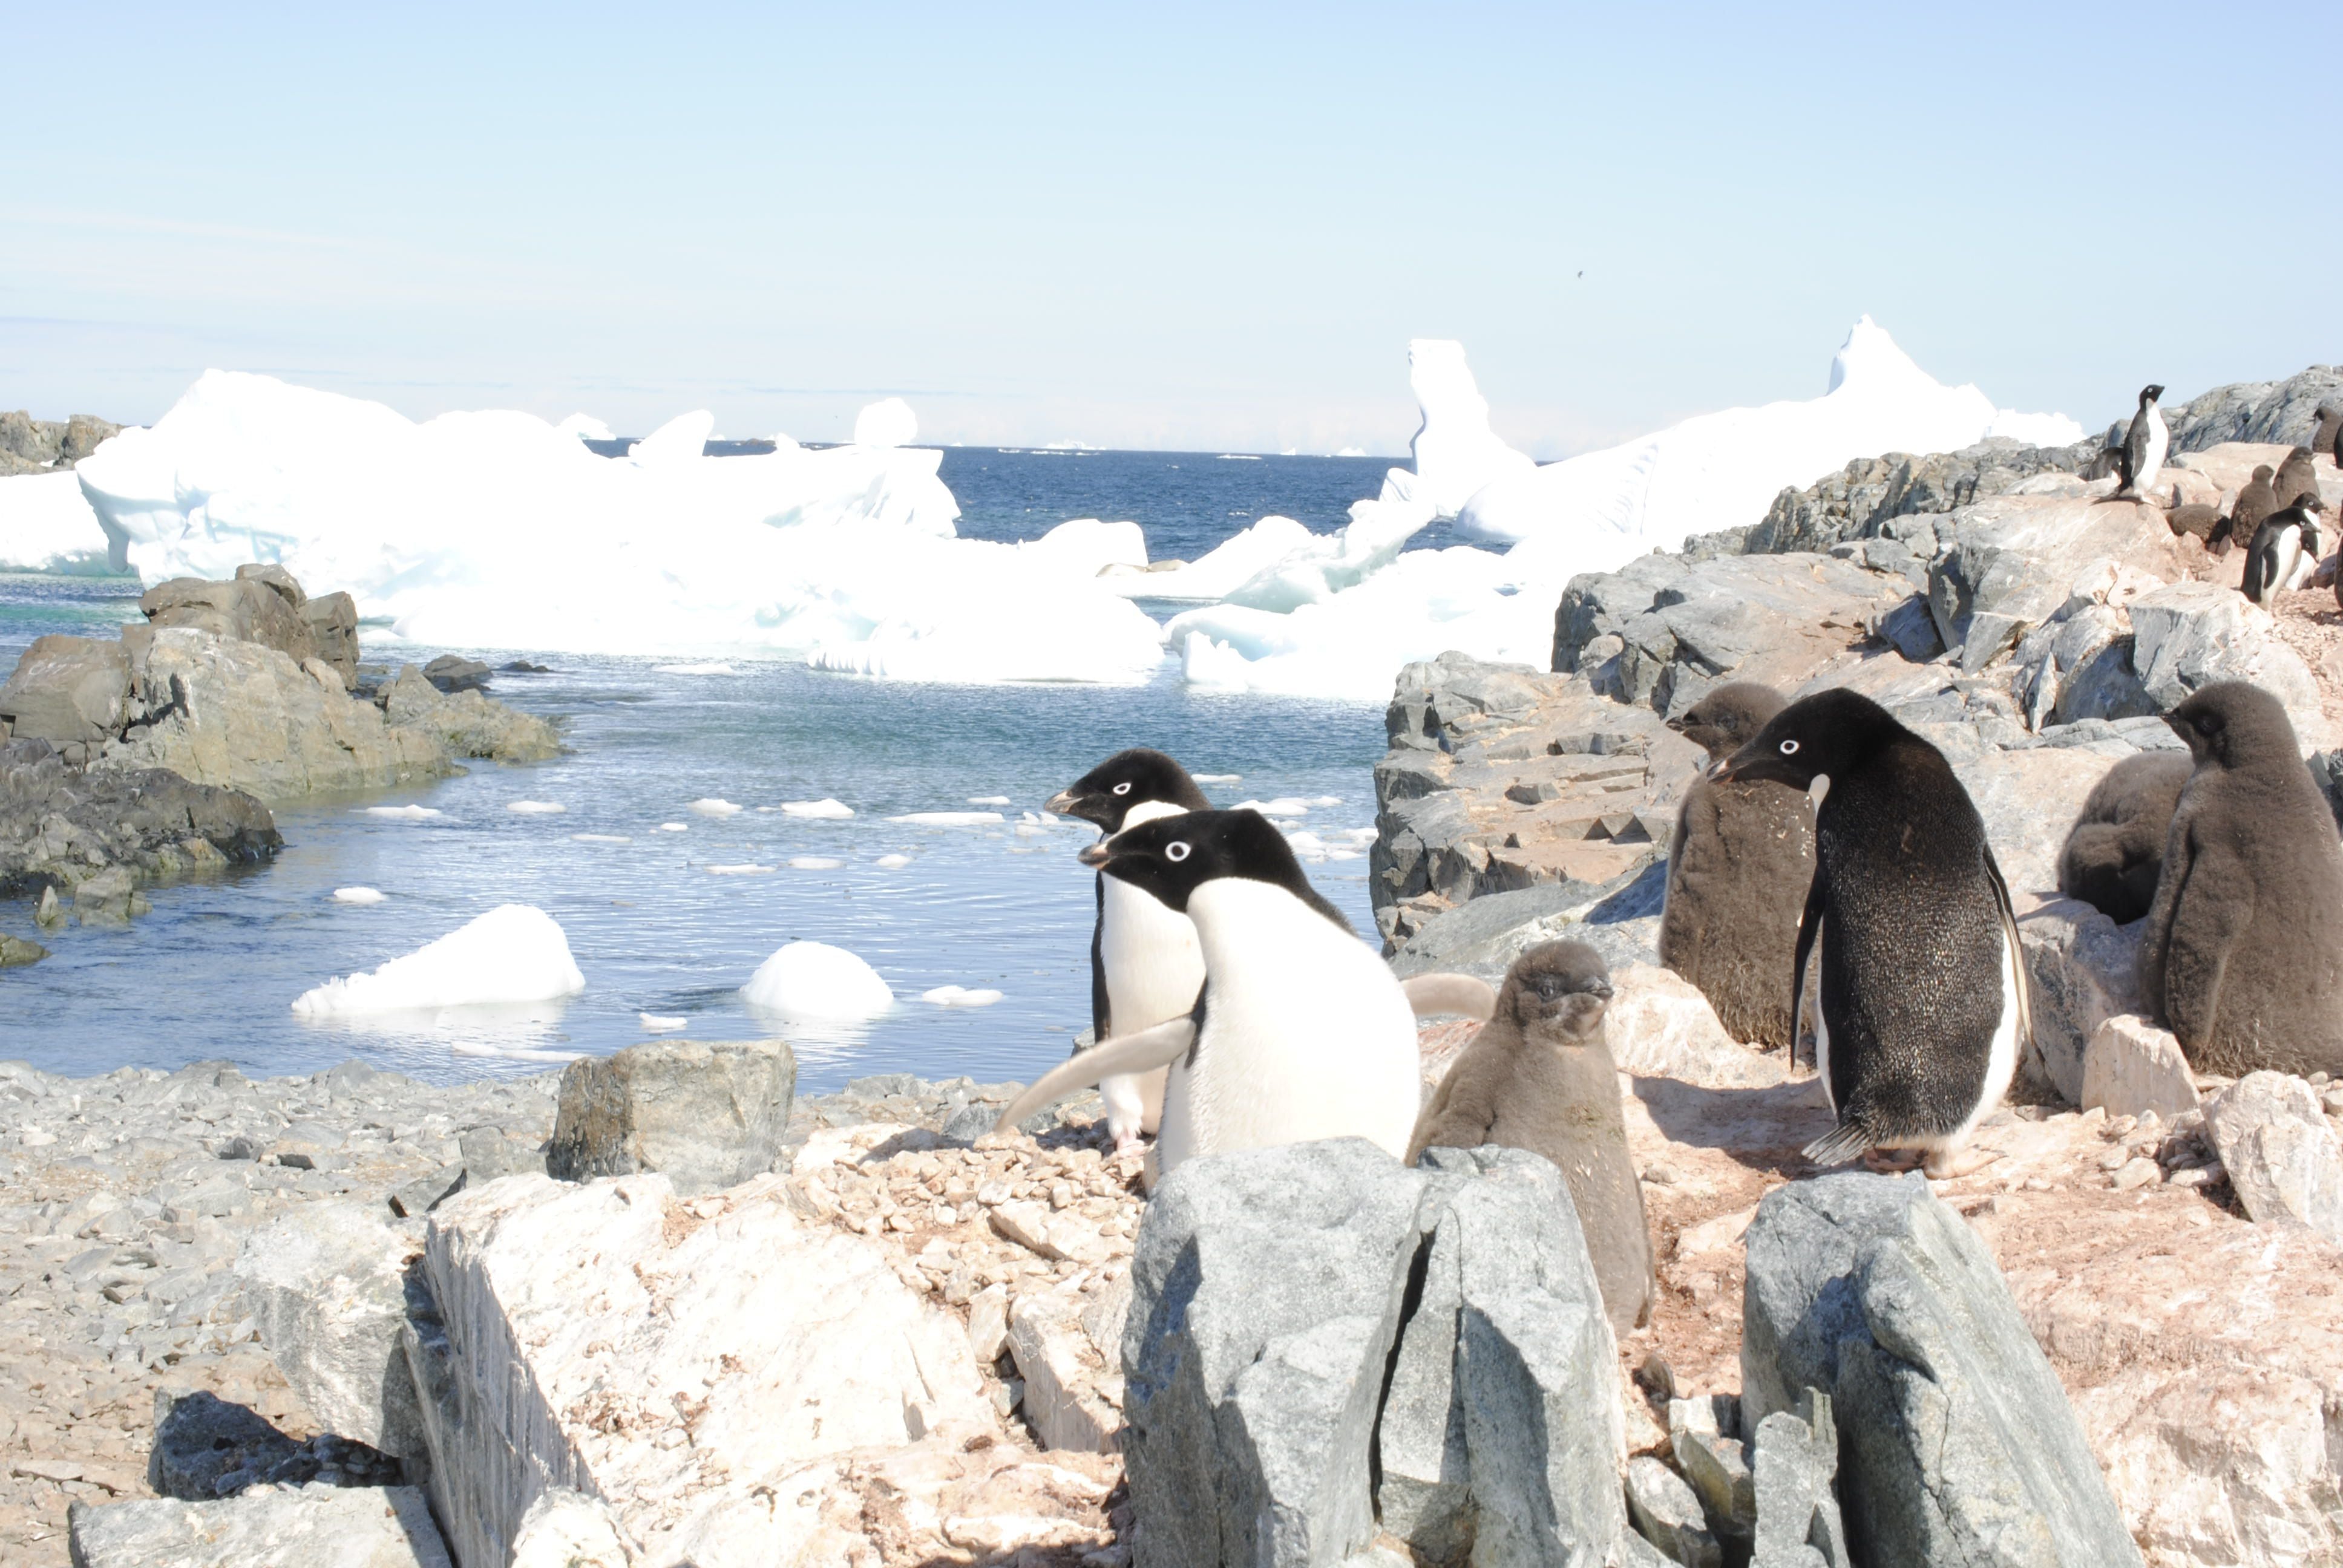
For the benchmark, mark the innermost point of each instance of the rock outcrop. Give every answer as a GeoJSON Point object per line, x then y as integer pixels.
{"type": "Point", "coordinates": [465, 722]}
{"type": "Point", "coordinates": [61, 827]}
{"type": "Point", "coordinates": [30, 446]}
{"type": "Point", "coordinates": [705, 1115]}
{"type": "Point", "coordinates": [293, 1527]}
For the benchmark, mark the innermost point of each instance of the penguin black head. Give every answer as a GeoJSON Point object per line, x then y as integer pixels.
{"type": "Point", "coordinates": [2233, 724]}
{"type": "Point", "coordinates": [1106, 794]}
{"type": "Point", "coordinates": [1823, 735]}
{"type": "Point", "coordinates": [1558, 985]}
{"type": "Point", "coordinates": [1727, 718]}
{"type": "Point", "coordinates": [2151, 393]}
{"type": "Point", "coordinates": [1171, 856]}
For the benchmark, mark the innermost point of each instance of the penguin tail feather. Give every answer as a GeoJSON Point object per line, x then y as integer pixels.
{"type": "Point", "coordinates": [1840, 1144]}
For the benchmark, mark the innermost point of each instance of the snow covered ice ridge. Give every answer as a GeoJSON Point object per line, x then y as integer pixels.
{"type": "Point", "coordinates": [496, 529]}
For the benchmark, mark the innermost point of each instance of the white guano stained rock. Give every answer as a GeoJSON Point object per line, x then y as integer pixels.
{"type": "Point", "coordinates": [692, 1363]}
{"type": "Point", "coordinates": [325, 1284]}
{"type": "Point", "coordinates": [315, 1526]}
{"type": "Point", "coordinates": [2130, 1065]}
{"type": "Point", "coordinates": [2282, 1158]}
{"type": "Point", "coordinates": [1659, 1025]}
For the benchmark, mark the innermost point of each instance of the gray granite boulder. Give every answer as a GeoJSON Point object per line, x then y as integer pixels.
{"type": "Point", "coordinates": [2084, 969]}
{"type": "Point", "coordinates": [1266, 1292]}
{"type": "Point", "coordinates": [267, 1527]}
{"type": "Point", "coordinates": [59, 826]}
{"type": "Point", "coordinates": [709, 1116]}
{"type": "Point", "coordinates": [1794, 1462]}
{"type": "Point", "coordinates": [256, 608]}
{"type": "Point", "coordinates": [325, 1283]}
{"type": "Point", "coordinates": [2280, 1153]}
{"type": "Point", "coordinates": [1433, 694]}
{"type": "Point", "coordinates": [333, 620]}
{"type": "Point", "coordinates": [2283, 412]}
{"type": "Point", "coordinates": [2187, 635]}
{"type": "Point", "coordinates": [1956, 1440]}
{"type": "Point", "coordinates": [467, 723]}
{"type": "Point", "coordinates": [1484, 935]}
{"type": "Point", "coordinates": [70, 691]}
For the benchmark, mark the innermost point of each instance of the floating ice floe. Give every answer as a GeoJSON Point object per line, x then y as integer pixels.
{"type": "Point", "coordinates": [672, 828]}
{"type": "Point", "coordinates": [1283, 806]}
{"type": "Point", "coordinates": [359, 895]}
{"type": "Point", "coordinates": [948, 819]}
{"type": "Point", "coordinates": [706, 668]}
{"type": "Point", "coordinates": [988, 800]}
{"type": "Point", "coordinates": [817, 980]}
{"type": "Point", "coordinates": [496, 529]}
{"type": "Point", "coordinates": [536, 808]}
{"type": "Point", "coordinates": [1335, 844]}
{"type": "Point", "coordinates": [960, 996]}
{"type": "Point", "coordinates": [662, 1023]}
{"type": "Point", "coordinates": [514, 953]}
{"type": "Point", "coordinates": [47, 526]}
{"type": "Point", "coordinates": [708, 806]}
{"type": "Point", "coordinates": [814, 863]}
{"type": "Point", "coordinates": [402, 813]}
{"type": "Point", "coordinates": [1217, 777]}
{"type": "Point", "coordinates": [892, 862]}
{"type": "Point", "coordinates": [744, 869]}
{"type": "Point", "coordinates": [601, 837]}
{"type": "Point", "coordinates": [821, 811]}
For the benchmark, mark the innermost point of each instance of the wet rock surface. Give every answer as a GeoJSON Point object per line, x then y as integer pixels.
{"type": "Point", "coordinates": [62, 827]}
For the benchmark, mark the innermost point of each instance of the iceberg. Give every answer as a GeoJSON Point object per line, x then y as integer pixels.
{"type": "Point", "coordinates": [497, 529]}
{"type": "Point", "coordinates": [1454, 452]}
{"type": "Point", "coordinates": [816, 980]}
{"type": "Point", "coordinates": [45, 526]}
{"type": "Point", "coordinates": [1334, 617]}
{"type": "Point", "coordinates": [514, 953]}
{"type": "Point", "coordinates": [1595, 511]}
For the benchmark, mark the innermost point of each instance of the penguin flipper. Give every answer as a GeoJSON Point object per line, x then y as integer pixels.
{"type": "Point", "coordinates": [2025, 1037]}
{"type": "Point", "coordinates": [1810, 925]}
{"type": "Point", "coordinates": [1839, 1145]}
{"type": "Point", "coordinates": [1101, 1016]}
{"type": "Point", "coordinates": [1462, 995]}
{"type": "Point", "coordinates": [1141, 1052]}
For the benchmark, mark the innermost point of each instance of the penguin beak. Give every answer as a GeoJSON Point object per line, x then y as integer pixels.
{"type": "Point", "coordinates": [1093, 854]}
{"type": "Point", "coordinates": [1676, 725]}
{"type": "Point", "coordinates": [1062, 804]}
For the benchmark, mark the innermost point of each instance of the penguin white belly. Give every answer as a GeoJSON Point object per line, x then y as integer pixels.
{"type": "Point", "coordinates": [2286, 554]}
{"type": "Point", "coordinates": [1153, 968]}
{"type": "Point", "coordinates": [1306, 1033]}
{"type": "Point", "coordinates": [2000, 1062]}
{"type": "Point", "coordinates": [2305, 567]}
{"type": "Point", "coordinates": [2159, 442]}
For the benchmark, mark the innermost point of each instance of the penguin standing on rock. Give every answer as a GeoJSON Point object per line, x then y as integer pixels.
{"type": "Point", "coordinates": [1302, 1031]}
{"type": "Point", "coordinates": [2285, 552]}
{"type": "Point", "coordinates": [1923, 992]}
{"type": "Point", "coordinates": [1739, 869]}
{"type": "Point", "coordinates": [1145, 964]}
{"type": "Point", "coordinates": [1540, 1076]}
{"type": "Point", "coordinates": [2241, 955]}
{"type": "Point", "coordinates": [2141, 458]}
{"type": "Point", "coordinates": [2326, 441]}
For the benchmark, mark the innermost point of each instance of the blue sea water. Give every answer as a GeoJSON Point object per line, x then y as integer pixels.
{"type": "Point", "coordinates": [213, 971]}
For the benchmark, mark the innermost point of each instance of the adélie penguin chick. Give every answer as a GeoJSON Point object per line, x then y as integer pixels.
{"type": "Point", "coordinates": [1302, 1031]}
{"type": "Point", "coordinates": [1922, 989]}
{"type": "Point", "coordinates": [1539, 1075]}
{"type": "Point", "coordinates": [2115, 851]}
{"type": "Point", "coordinates": [2257, 499]}
{"type": "Point", "coordinates": [1145, 964]}
{"type": "Point", "coordinates": [1739, 865]}
{"type": "Point", "coordinates": [2296, 477]}
{"type": "Point", "coordinates": [2327, 440]}
{"type": "Point", "coordinates": [2241, 955]}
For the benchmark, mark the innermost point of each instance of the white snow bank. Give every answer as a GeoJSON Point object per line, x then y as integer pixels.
{"type": "Point", "coordinates": [496, 529]}
{"type": "Point", "coordinates": [1592, 512]}
{"type": "Point", "coordinates": [47, 526]}
{"type": "Point", "coordinates": [515, 952]}
{"type": "Point", "coordinates": [824, 809]}
{"type": "Point", "coordinates": [1298, 627]}
{"type": "Point", "coordinates": [816, 980]}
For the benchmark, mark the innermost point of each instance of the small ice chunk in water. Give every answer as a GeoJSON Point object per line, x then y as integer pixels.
{"type": "Point", "coordinates": [658, 1023]}
{"type": "Point", "coordinates": [824, 809]}
{"type": "Point", "coordinates": [515, 952]}
{"type": "Point", "coordinates": [402, 813]}
{"type": "Point", "coordinates": [948, 819]}
{"type": "Point", "coordinates": [536, 808]}
{"type": "Point", "coordinates": [745, 868]}
{"type": "Point", "coordinates": [601, 837]}
{"type": "Point", "coordinates": [814, 863]}
{"type": "Point", "coordinates": [358, 896]}
{"type": "Point", "coordinates": [674, 827]}
{"type": "Point", "coordinates": [890, 862]}
{"type": "Point", "coordinates": [1325, 799]}
{"type": "Point", "coordinates": [988, 800]}
{"type": "Point", "coordinates": [1283, 806]}
{"type": "Point", "coordinates": [1217, 777]}
{"type": "Point", "coordinates": [708, 668]}
{"type": "Point", "coordinates": [1306, 846]}
{"type": "Point", "coordinates": [960, 996]}
{"type": "Point", "coordinates": [710, 806]}
{"type": "Point", "coordinates": [816, 980]}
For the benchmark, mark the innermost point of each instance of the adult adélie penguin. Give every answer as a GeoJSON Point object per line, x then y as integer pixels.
{"type": "Point", "coordinates": [1922, 986]}
{"type": "Point", "coordinates": [1300, 1032]}
{"type": "Point", "coordinates": [2141, 458]}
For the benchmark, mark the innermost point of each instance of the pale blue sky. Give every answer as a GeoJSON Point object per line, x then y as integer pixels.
{"type": "Point", "coordinates": [1197, 227]}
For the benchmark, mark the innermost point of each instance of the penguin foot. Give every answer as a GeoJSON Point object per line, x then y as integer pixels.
{"type": "Point", "coordinates": [1889, 1162]}
{"type": "Point", "coordinates": [1946, 1164]}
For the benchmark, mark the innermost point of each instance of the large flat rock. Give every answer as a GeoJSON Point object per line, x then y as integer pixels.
{"type": "Point", "coordinates": [268, 1527]}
